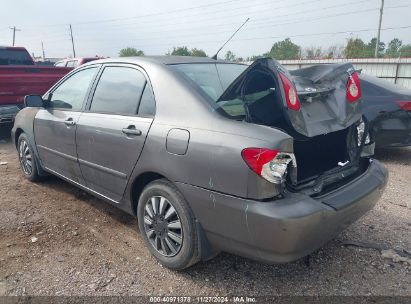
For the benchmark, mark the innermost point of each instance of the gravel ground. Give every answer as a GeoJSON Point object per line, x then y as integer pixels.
{"type": "Point", "coordinates": [58, 240]}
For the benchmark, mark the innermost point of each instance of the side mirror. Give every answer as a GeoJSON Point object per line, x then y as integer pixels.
{"type": "Point", "coordinates": [33, 101]}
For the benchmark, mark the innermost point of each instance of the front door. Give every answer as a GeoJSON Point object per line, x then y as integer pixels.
{"type": "Point", "coordinates": [112, 132]}
{"type": "Point", "coordinates": [55, 126]}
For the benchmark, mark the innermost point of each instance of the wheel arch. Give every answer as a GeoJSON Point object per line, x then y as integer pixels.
{"type": "Point", "coordinates": [138, 185]}
{"type": "Point", "coordinates": [17, 134]}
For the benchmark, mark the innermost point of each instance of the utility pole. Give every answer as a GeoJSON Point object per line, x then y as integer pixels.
{"type": "Point", "coordinates": [14, 29]}
{"type": "Point", "coordinates": [377, 46]}
{"type": "Point", "coordinates": [72, 41]}
{"type": "Point", "coordinates": [42, 49]}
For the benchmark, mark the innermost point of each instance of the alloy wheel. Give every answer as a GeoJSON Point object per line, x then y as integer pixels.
{"type": "Point", "coordinates": [163, 226]}
{"type": "Point", "coordinates": [25, 157]}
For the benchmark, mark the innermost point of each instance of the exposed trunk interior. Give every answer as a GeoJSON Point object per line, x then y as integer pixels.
{"type": "Point", "coordinates": [320, 153]}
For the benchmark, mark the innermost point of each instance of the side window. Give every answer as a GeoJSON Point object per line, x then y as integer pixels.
{"type": "Point", "coordinates": [118, 91]}
{"type": "Point", "coordinates": [147, 104]}
{"type": "Point", "coordinates": [72, 92]}
{"type": "Point", "coordinates": [71, 64]}
{"type": "Point", "coordinates": [60, 64]}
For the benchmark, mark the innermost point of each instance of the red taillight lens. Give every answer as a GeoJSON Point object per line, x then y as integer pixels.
{"type": "Point", "coordinates": [353, 88]}
{"type": "Point", "coordinates": [256, 158]}
{"type": "Point", "coordinates": [291, 96]}
{"type": "Point", "coordinates": [405, 105]}
{"type": "Point", "coordinates": [269, 164]}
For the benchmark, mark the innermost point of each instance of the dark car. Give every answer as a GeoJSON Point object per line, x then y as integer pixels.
{"type": "Point", "coordinates": [210, 156]}
{"type": "Point", "coordinates": [388, 109]}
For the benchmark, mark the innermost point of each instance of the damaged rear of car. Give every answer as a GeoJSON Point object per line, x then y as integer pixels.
{"type": "Point", "coordinates": [319, 107]}
{"type": "Point", "coordinates": [301, 195]}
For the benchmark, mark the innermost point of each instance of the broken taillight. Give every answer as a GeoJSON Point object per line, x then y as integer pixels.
{"type": "Point", "coordinates": [353, 87]}
{"type": "Point", "coordinates": [291, 96]}
{"type": "Point", "coordinates": [269, 164]}
{"type": "Point", "coordinates": [404, 104]}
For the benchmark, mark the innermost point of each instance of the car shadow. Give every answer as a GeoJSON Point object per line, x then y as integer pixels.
{"type": "Point", "coordinates": [5, 132]}
{"type": "Point", "coordinates": [104, 207]}
{"type": "Point", "coordinates": [394, 155]}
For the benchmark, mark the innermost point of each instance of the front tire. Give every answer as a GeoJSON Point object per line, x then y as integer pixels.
{"type": "Point", "coordinates": [167, 225]}
{"type": "Point", "coordinates": [27, 159]}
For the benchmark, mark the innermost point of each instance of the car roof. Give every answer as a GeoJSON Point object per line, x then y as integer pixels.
{"type": "Point", "coordinates": [167, 60]}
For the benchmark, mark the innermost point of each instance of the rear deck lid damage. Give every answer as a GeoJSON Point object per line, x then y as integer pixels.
{"type": "Point", "coordinates": [305, 102]}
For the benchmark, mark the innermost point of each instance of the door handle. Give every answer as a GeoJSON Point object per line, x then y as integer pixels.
{"type": "Point", "coordinates": [69, 122]}
{"type": "Point", "coordinates": [131, 130]}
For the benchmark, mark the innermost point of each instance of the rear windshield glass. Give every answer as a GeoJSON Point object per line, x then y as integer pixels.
{"type": "Point", "coordinates": [15, 57]}
{"type": "Point", "coordinates": [212, 79]}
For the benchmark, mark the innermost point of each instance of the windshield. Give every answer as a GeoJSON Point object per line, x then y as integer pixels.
{"type": "Point", "coordinates": [15, 57]}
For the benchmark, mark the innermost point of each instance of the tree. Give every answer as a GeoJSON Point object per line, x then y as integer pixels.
{"type": "Point", "coordinates": [285, 49]}
{"type": "Point", "coordinates": [334, 51]}
{"type": "Point", "coordinates": [393, 49]}
{"type": "Point", "coordinates": [370, 50]}
{"type": "Point", "coordinates": [184, 51]}
{"type": "Point", "coordinates": [355, 48]}
{"type": "Point", "coordinates": [180, 51]}
{"type": "Point", "coordinates": [198, 52]}
{"type": "Point", "coordinates": [230, 56]}
{"type": "Point", "coordinates": [129, 52]}
{"type": "Point", "coordinates": [405, 50]}
{"type": "Point", "coordinates": [313, 52]}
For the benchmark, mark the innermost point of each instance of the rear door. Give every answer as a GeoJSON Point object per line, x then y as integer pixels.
{"type": "Point", "coordinates": [55, 126]}
{"type": "Point", "coordinates": [112, 131]}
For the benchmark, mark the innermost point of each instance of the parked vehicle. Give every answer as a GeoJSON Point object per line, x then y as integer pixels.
{"type": "Point", "coordinates": [210, 156]}
{"type": "Point", "coordinates": [75, 62]}
{"type": "Point", "coordinates": [20, 76]}
{"type": "Point", "coordinates": [388, 109]}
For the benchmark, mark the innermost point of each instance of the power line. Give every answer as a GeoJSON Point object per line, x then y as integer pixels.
{"type": "Point", "coordinates": [147, 15]}
{"type": "Point", "coordinates": [288, 36]}
{"type": "Point", "coordinates": [270, 25]}
{"type": "Point", "coordinates": [257, 21]}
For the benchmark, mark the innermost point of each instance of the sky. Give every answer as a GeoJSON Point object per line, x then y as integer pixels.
{"type": "Point", "coordinates": [155, 27]}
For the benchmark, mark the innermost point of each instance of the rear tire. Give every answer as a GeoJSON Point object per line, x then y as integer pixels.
{"type": "Point", "coordinates": [168, 226]}
{"type": "Point", "coordinates": [28, 160]}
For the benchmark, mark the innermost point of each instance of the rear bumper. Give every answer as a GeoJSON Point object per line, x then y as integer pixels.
{"type": "Point", "coordinates": [287, 229]}
{"type": "Point", "coordinates": [9, 112]}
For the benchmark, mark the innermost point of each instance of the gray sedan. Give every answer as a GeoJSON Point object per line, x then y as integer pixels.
{"type": "Point", "coordinates": [210, 156]}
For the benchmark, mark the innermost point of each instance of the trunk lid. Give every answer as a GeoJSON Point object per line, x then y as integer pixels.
{"type": "Point", "coordinates": [321, 89]}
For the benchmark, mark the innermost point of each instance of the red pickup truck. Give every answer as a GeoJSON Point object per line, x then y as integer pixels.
{"type": "Point", "coordinates": [20, 76]}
